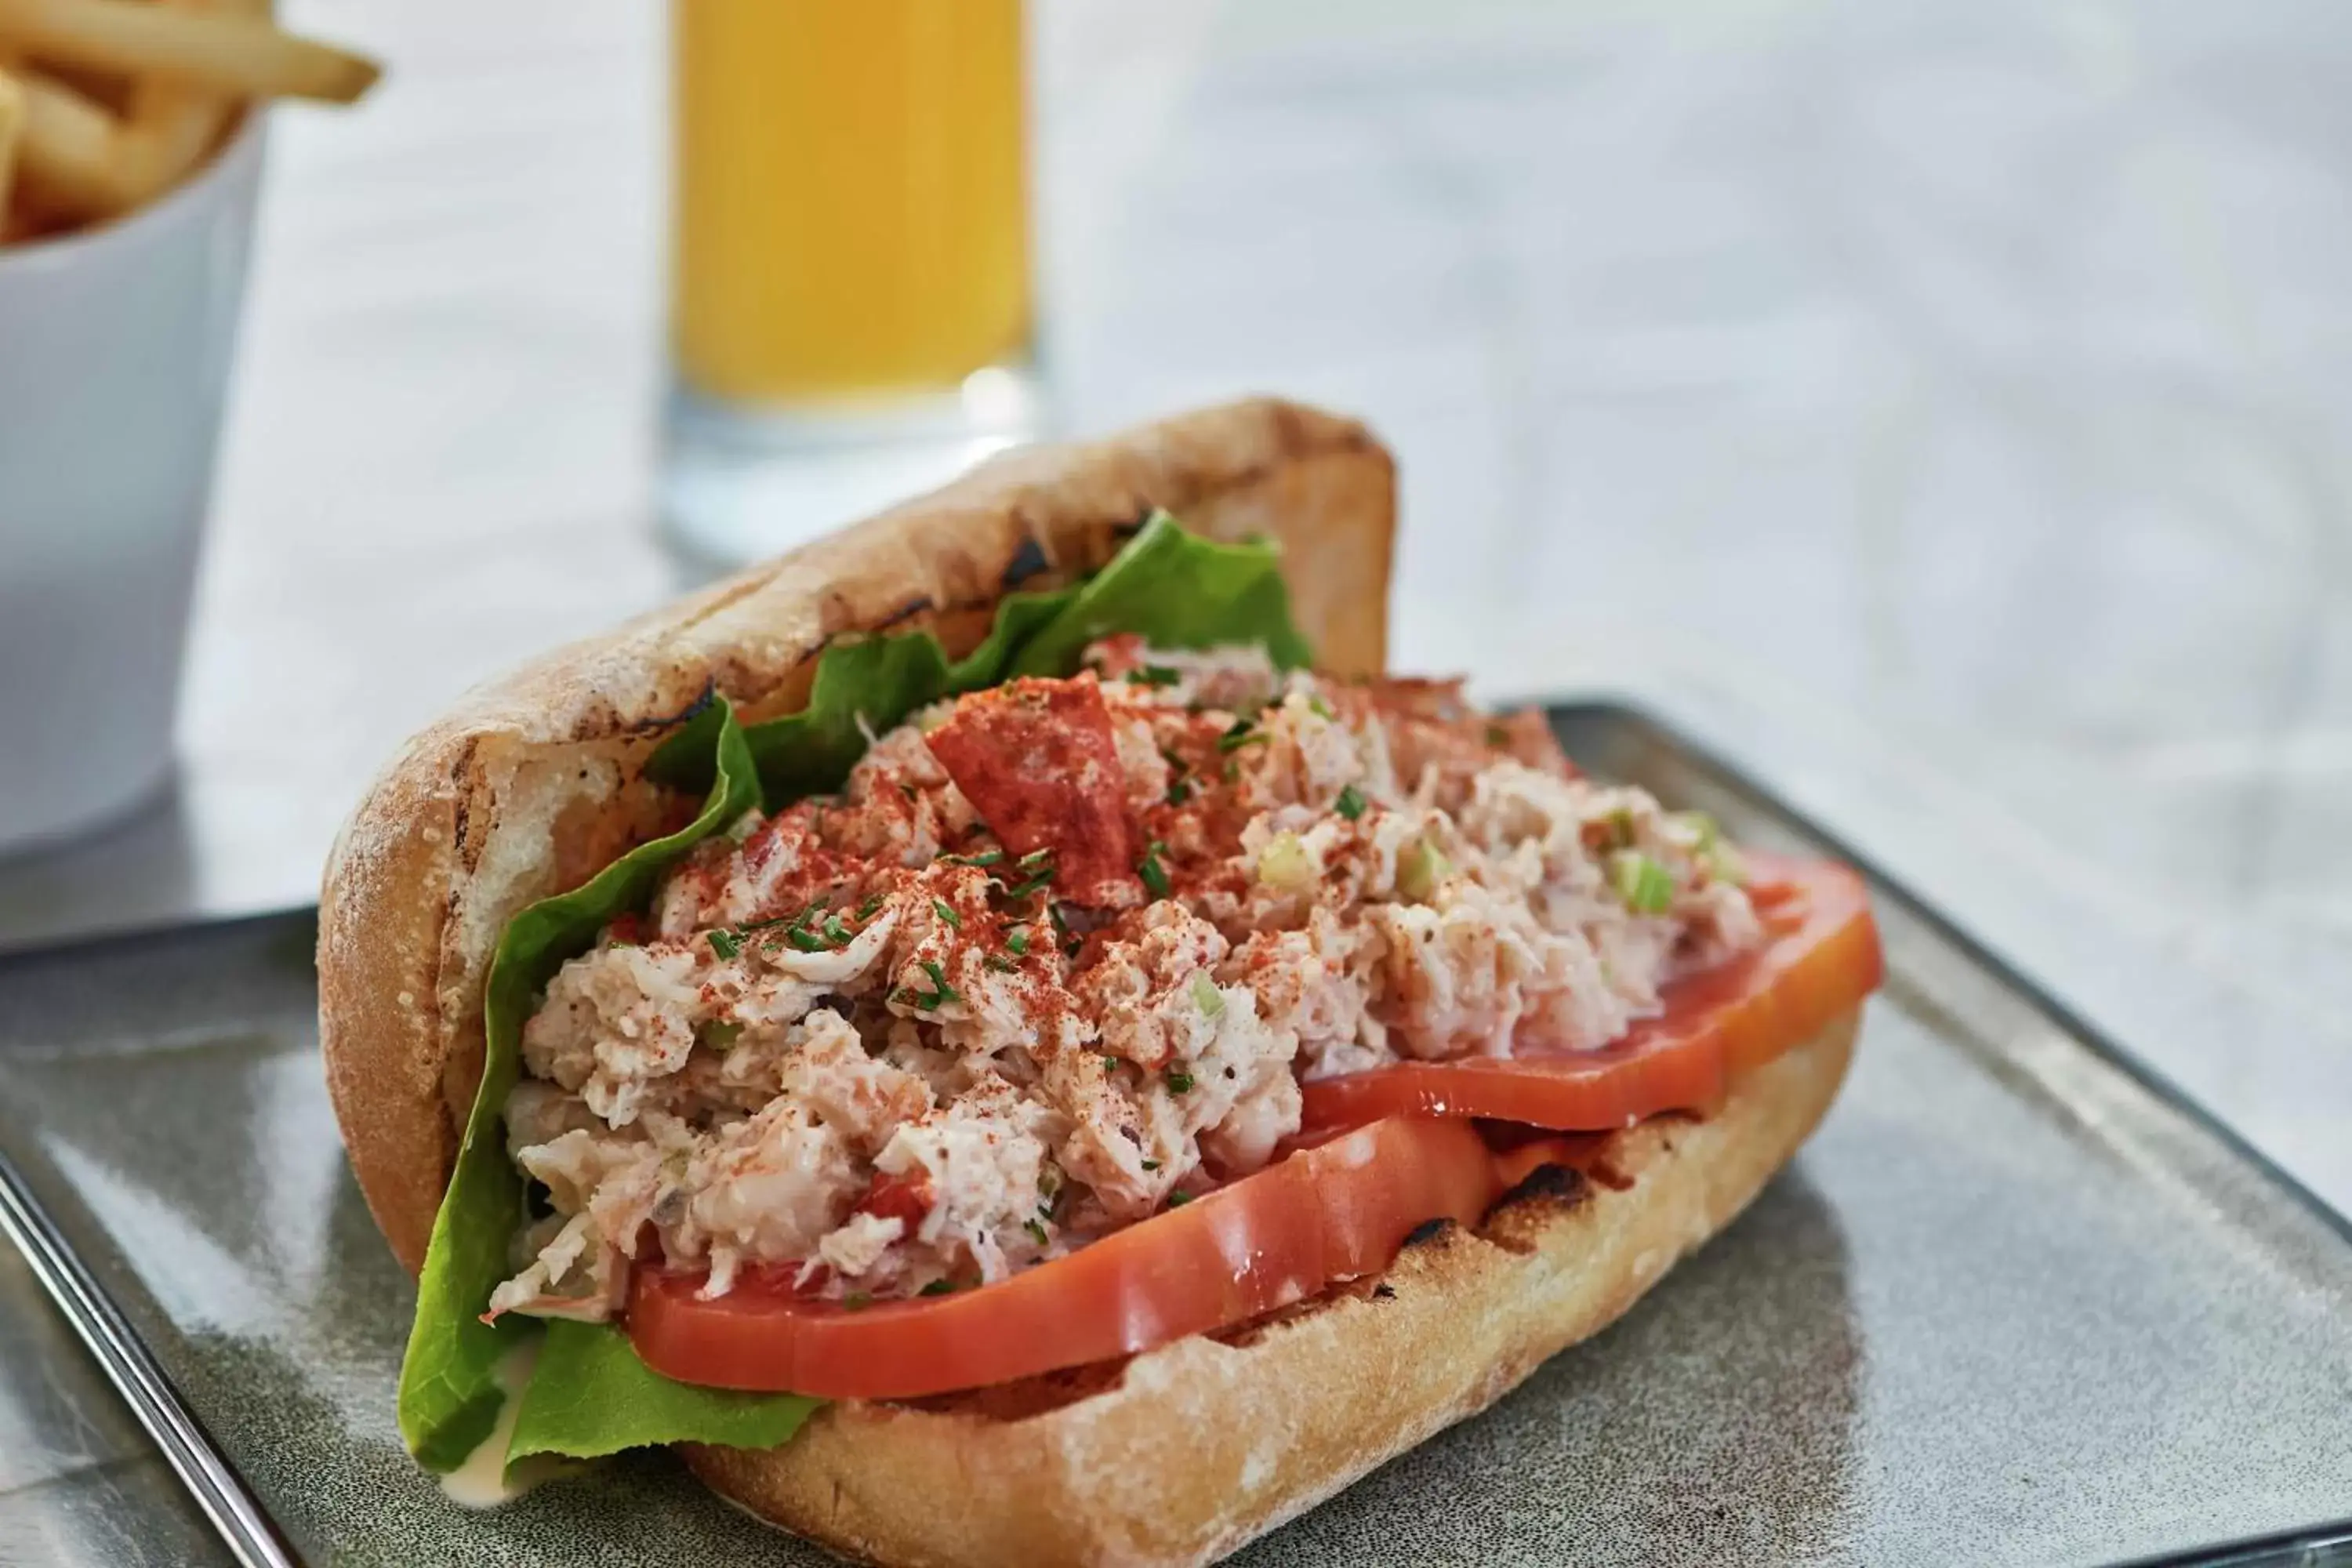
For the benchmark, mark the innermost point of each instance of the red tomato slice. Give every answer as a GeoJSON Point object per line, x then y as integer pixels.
{"type": "Point", "coordinates": [1820, 956]}
{"type": "Point", "coordinates": [1332, 1212]}
{"type": "Point", "coordinates": [1037, 761]}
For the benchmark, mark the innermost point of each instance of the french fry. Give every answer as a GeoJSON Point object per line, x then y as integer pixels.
{"type": "Point", "coordinates": [242, 56]}
{"type": "Point", "coordinates": [174, 122]}
{"type": "Point", "coordinates": [69, 150]}
{"type": "Point", "coordinates": [12, 124]}
{"type": "Point", "coordinates": [83, 162]}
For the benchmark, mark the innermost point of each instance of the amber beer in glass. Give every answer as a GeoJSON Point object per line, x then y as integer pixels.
{"type": "Point", "coordinates": [850, 301]}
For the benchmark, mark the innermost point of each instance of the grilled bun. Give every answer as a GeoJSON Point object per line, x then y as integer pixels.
{"type": "Point", "coordinates": [1176, 1456]}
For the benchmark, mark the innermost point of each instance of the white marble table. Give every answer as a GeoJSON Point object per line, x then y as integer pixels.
{"type": "Point", "coordinates": [1942, 405]}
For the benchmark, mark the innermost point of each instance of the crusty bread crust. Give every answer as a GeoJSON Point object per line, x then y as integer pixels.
{"type": "Point", "coordinates": [529, 785]}
{"type": "Point", "coordinates": [1202, 1445]}
{"type": "Point", "coordinates": [1177, 1455]}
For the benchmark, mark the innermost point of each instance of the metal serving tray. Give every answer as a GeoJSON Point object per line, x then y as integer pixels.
{"type": "Point", "coordinates": [2017, 1302]}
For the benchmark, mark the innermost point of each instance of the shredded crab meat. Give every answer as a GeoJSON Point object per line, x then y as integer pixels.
{"type": "Point", "coordinates": [868, 1047]}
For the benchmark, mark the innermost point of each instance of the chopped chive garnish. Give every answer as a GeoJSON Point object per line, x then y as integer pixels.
{"type": "Point", "coordinates": [1153, 675]}
{"type": "Point", "coordinates": [805, 940]}
{"type": "Point", "coordinates": [1320, 708]}
{"type": "Point", "coordinates": [1016, 942]}
{"type": "Point", "coordinates": [1110, 1063]}
{"type": "Point", "coordinates": [1154, 874]}
{"type": "Point", "coordinates": [1242, 733]}
{"type": "Point", "coordinates": [985, 857]}
{"type": "Point", "coordinates": [1179, 793]}
{"type": "Point", "coordinates": [1179, 1081]}
{"type": "Point", "coordinates": [835, 933]}
{"type": "Point", "coordinates": [1350, 804]}
{"type": "Point", "coordinates": [1151, 1165]}
{"type": "Point", "coordinates": [945, 911]}
{"type": "Point", "coordinates": [941, 994]}
{"type": "Point", "coordinates": [1037, 1231]}
{"type": "Point", "coordinates": [1037, 884]}
{"type": "Point", "coordinates": [1175, 762]}
{"type": "Point", "coordinates": [1034, 858]}
{"type": "Point", "coordinates": [865, 911]}
{"type": "Point", "coordinates": [726, 943]}
{"type": "Point", "coordinates": [938, 1287]}
{"type": "Point", "coordinates": [1177, 1200]}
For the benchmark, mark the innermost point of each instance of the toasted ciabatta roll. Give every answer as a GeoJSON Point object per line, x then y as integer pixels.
{"type": "Point", "coordinates": [1181, 1454]}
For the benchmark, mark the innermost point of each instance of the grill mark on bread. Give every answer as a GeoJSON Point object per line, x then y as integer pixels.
{"type": "Point", "coordinates": [1427, 1231]}
{"type": "Point", "coordinates": [915, 606]}
{"type": "Point", "coordinates": [1028, 561]}
{"type": "Point", "coordinates": [1563, 1183]}
{"type": "Point", "coordinates": [683, 716]}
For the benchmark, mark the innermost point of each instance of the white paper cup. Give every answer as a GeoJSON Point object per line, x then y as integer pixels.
{"type": "Point", "coordinates": [114, 360]}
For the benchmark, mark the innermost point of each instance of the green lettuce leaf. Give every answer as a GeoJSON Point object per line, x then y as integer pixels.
{"type": "Point", "coordinates": [449, 1392]}
{"type": "Point", "coordinates": [883, 679]}
{"type": "Point", "coordinates": [590, 1396]}
{"type": "Point", "coordinates": [1179, 591]}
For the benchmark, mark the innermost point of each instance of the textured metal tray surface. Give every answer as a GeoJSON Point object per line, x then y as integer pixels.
{"type": "Point", "coordinates": [2014, 1304]}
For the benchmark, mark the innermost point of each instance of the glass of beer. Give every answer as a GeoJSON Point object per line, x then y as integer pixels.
{"type": "Point", "coordinates": [850, 300]}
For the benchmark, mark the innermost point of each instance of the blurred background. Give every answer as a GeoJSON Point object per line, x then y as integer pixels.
{"type": "Point", "coordinates": [1939, 407]}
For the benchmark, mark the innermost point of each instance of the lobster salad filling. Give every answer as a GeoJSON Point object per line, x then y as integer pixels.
{"type": "Point", "coordinates": [1060, 954]}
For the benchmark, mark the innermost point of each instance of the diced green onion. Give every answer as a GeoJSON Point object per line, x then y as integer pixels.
{"type": "Point", "coordinates": [720, 1034]}
{"type": "Point", "coordinates": [1177, 1200]}
{"type": "Point", "coordinates": [938, 1287]}
{"type": "Point", "coordinates": [726, 943]}
{"type": "Point", "coordinates": [865, 911]}
{"type": "Point", "coordinates": [1350, 804]}
{"type": "Point", "coordinates": [1178, 1081]}
{"type": "Point", "coordinates": [1240, 733]}
{"type": "Point", "coordinates": [1285, 864]}
{"type": "Point", "coordinates": [1205, 994]}
{"type": "Point", "coordinates": [1320, 708]}
{"type": "Point", "coordinates": [1647, 888]}
{"type": "Point", "coordinates": [1420, 868]}
{"type": "Point", "coordinates": [985, 857]}
{"type": "Point", "coordinates": [1016, 942]}
{"type": "Point", "coordinates": [1037, 1231]}
{"type": "Point", "coordinates": [945, 911]}
{"type": "Point", "coordinates": [1153, 675]}
{"type": "Point", "coordinates": [1154, 874]}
